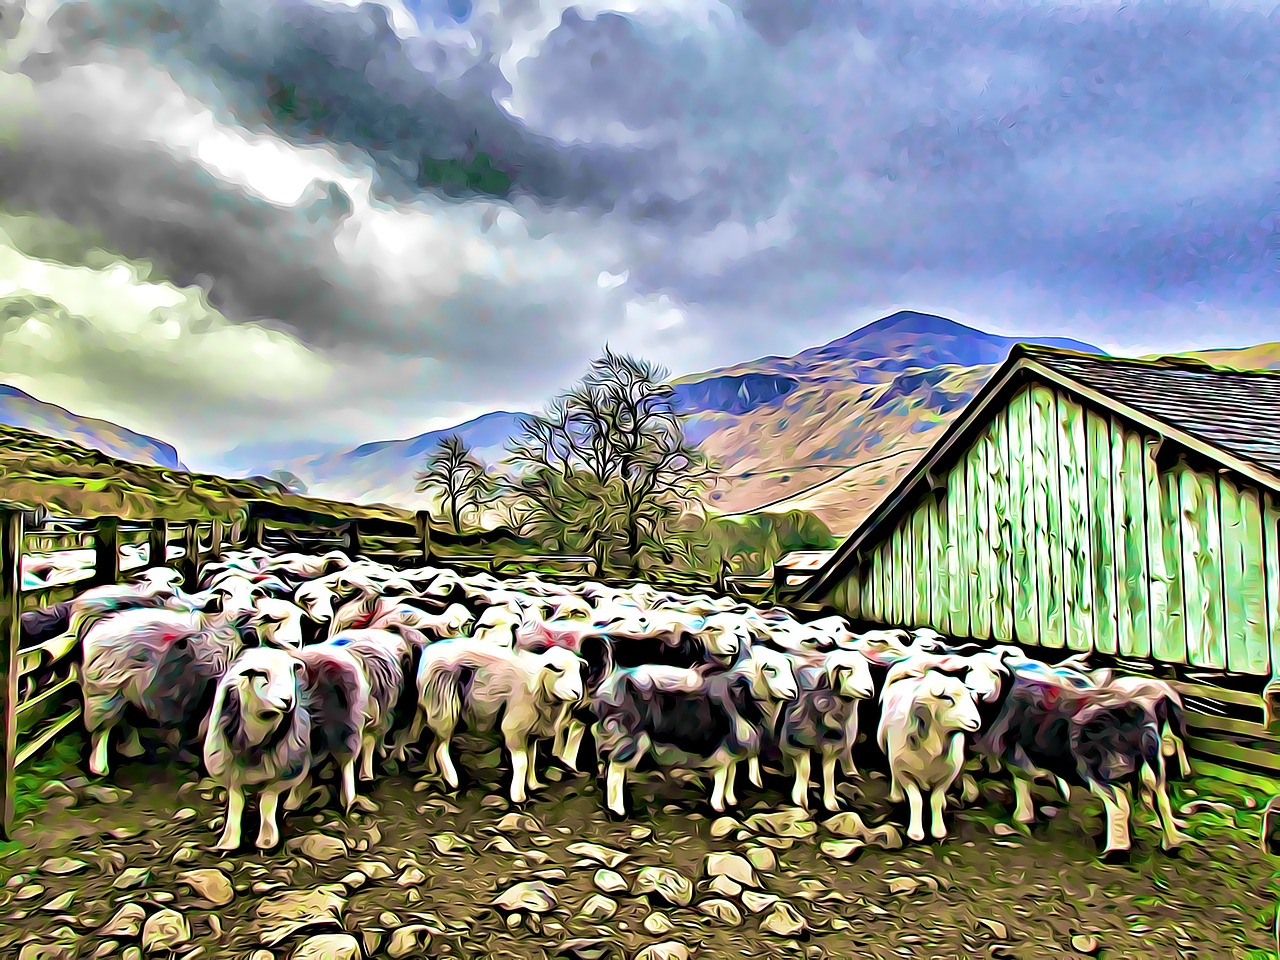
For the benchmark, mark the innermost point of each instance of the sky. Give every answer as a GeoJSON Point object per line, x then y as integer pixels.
{"type": "Point", "coordinates": [302, 222]}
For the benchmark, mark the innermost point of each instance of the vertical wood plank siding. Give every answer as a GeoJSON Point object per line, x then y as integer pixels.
{"type": "Point", "coordinates": [1077, 564]}
{"type": "Point", "coordinates": [920, 554]}
{"type": "Point", "coordinates": [1001, 531]}
{"type": "Point", "coordinates": [1164, 539]}
{"type": "Point", "coordinates": [1271, 543]}
{"type": "Point", "coordinates": [1244, 591]}
{"type": "Point", "coordinates": [1129, 502]}
{"type": "Point", "coordinates": [1061, 526]}
{"type": "Point", "coordinates": [1102, 534]}
{"type": "Point", "coordinates": [1202, 570]}
{"type": "Point", "coordinates": [980, 540]}
{"type": "Point", "coordinates": [957, 560]}
{"type": "Point", "coordinates": [942, 541]}
{"type": "Point", "coordinates": [1044, 463]}
{"type": "Point", "coordinates": [1026, 627]}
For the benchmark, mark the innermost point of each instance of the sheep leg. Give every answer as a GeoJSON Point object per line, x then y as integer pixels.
{"type": "Point", "coordinates": [1171, 838]}
{"type": "Point", "coordinates": [847, 764]}
{"type": "Point", "coordinates": [408, 738]}
{"type": "Point", "coordinates": [729, 779]}
{"type": "Point", "coordinates": [269, 828]}
{"type": "Point", "coordinates": [230, 839]}
{"type": "Point", "coordinates": [938, 806]}
{"type": "Point", "coordinates": [518, 751]}
{"type": "Point", "coordinates": [444, 763]}
{"type": "Point", "coordinates": [895, 788]}
{"type": "Point", "coordinates": [1115, 803]}
{"type": "Point", "coordinates": [915, 801]}
{"type": "Point", "coordinates": [348, 789]}
{"type": "Point", "coordinates": [830, 802]}
{"type": "Point", "coordinates": [297, 795]}
{"type": "Point", "coordinates": [1177, 748]}
{"type": "Point", "coordinates": [968, 788]}
{"type": "Point", "coordinates": [615, 784]}
{"type": "Point", "coordinates": [718, 785]}
{"type": "Point", "coordinates": [98, 765]}
{"type": "Point", "coordinates": [802, 764]}
{"type": "Point", "coordinates": [131, 746]}
{"type": "Point", "coordinates": [574, 732]}
{"type": "Point", "coordinates": [1024, 810]}
{"type": "Point", "coordinates": [531, 752]}
{"type": "Point", "coordinates": [753, 771]}
{"type": "Point", "coordinates": [368, 743]}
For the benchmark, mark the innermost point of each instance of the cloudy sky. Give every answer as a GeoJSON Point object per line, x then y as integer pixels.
{"type": "Point", "coordinates": [301, 220]}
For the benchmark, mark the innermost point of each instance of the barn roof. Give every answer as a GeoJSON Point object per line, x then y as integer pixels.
{"type": "Point", "coordinates": [1230, 416]}
{"type": "Point", "coordinates": [1237, 411]}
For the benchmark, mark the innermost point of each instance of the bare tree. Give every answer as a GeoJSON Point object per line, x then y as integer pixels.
{"type": "Point", "coordinates": [607, 468]}
{"type": "Point", "coordinates": [460, 478]}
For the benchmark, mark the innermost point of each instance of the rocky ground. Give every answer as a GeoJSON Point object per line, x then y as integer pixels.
{"type": "Point", "coordinates": [123, 869]}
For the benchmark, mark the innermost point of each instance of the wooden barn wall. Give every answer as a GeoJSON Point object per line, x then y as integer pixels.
{"type": "Point", "coordinates": [1057, 529]}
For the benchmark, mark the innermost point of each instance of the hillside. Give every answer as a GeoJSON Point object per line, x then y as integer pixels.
{"type": "Point", "coordinates": [777, 426]}
{"type": "Point", "coordinates": [384, 471]}
{"type": "Point", "coordinates": [20, 409]}
{"type": "Point", "coordinates": [1263, 356]}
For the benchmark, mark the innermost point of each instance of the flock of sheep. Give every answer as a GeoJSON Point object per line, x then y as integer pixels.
{"type": "Point", "coordinates": [281, 664]}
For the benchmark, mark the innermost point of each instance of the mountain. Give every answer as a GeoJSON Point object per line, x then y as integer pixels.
{"type": "Point", "coordinates": [1263, 356]}
{"type": "Point", "coordinates": [843, 418]}
{"type": "Point", "coordinates": [384, 471]}
{"type": "Point", "coordinates": [20, 409]}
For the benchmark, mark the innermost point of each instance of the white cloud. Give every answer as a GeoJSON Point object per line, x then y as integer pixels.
{"type": "Point", "coordinates": [119, 337]}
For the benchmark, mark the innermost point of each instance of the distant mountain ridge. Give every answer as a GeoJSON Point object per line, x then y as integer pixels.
{"type": "Point", "coordinates": [19, 409]}
{"type": "Point", "coordinates": [774, 424]}
{"type": "Point", "coordinates": [826, 430]}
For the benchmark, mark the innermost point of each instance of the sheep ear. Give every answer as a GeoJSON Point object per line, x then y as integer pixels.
{"type": "Point", "coordinates": [229, 720]}
{"type": "Point", "coordinates": [919, 719]}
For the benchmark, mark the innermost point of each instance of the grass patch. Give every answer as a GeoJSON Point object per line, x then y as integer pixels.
{"type": "Point", "coordinates": [61, 761]}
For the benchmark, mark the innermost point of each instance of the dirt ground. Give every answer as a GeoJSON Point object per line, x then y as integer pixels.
{"type": "Point", "coordinates": [418, 878]}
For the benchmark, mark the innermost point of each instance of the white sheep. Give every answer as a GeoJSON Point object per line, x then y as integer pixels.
{"type": "Point", "coordinates": [259, 736]}
{"type": "Point", "coordinates": [465, 680]}
{"type": "Point", "coordinates": [922, 729]}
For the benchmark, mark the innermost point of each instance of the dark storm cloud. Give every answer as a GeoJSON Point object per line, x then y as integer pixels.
{"type": "Point", "coordinates": [543, 171]}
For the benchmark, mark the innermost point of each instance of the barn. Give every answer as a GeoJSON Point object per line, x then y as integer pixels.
{"type": "Point", "coordinates": [1130, 508]}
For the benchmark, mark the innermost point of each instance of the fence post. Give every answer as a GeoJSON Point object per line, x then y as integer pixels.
{"type": "Point", "coordinates": [422, 519]}
{"type": "Point", "coordinates": [191, 555]}
{"type": "Point", "coordinates": [353, 539]}
{"type": "Point", "coordinates": [216, 532]}
{"type": "Point", "coordinates": [106, 551]}
{"type": "Point", "coordinates": [11, 528]}
{"type": "Point", "coordinates": [254, 531]}
{"type": "Point", "coordinates": [158, 544]}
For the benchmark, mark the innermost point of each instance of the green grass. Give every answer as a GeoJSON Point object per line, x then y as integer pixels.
{"type": "Point", "coordinates": [61, 761]}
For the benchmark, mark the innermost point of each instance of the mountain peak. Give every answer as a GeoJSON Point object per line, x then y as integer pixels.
{"type": "Point", "coordinates": [911, 322]}
{"type": "Point", "coordinates": [930, 340]}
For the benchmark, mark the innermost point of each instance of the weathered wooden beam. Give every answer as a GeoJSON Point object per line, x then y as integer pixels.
{"type": "Point", "coordinates": [190, 555]}
{"type": "Point", "coordinates": [106, 551]}
{"type": "Point", "coordinates": [422, 520]}
{"type": "Point", "coordinates": [217, 532]}
{"type": "Point", "coordinates": [11, 529]}
{"type": "Point", "coordinates": [158, 544]}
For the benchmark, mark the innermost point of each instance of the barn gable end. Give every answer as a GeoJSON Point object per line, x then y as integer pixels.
{"type": "Point", "coordinates": [1087, 503]}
